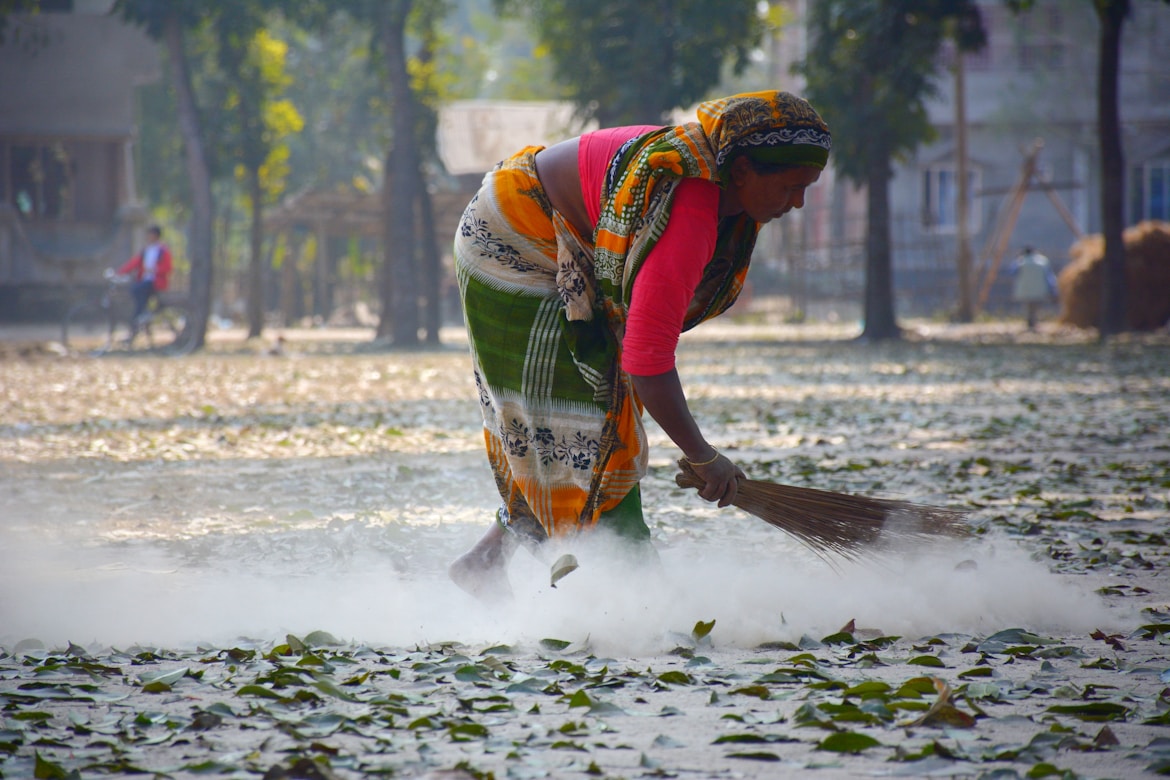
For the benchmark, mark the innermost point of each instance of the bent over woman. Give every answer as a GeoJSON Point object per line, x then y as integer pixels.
{"type": "Point", "coordinates": [579, 265]}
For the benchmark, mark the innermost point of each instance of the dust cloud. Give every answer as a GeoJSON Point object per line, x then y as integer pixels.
{"type": "Point", "coordinates": [385, 585]}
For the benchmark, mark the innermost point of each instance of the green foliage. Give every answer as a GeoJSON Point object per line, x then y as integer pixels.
{"type": "Point", "coordinates": [623, 62]}
{"type": "Point", "coordinates": [871, 68]}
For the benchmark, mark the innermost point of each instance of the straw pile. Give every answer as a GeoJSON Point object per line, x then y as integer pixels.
{"type": "Point", "coordinates": [839, 524]}
{"type": "Point", "coordinates": [1147, 273]}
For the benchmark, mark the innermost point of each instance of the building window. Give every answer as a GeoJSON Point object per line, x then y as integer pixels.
{"type": "Point", "coordinates": [940, 199]}
{"type": "Point", "coordinates": [1042, 45]}
{"type": "Point", "coordinates": [38, 180]}
{"type": "Point", "coordinates": [1150, 195]}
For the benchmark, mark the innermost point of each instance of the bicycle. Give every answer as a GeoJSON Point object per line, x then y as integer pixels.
{"type": "Point", "coordinates": [108, 311]}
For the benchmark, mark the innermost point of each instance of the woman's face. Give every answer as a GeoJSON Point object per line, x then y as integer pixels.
{"type": "Point", "coordinates": [765, 196]}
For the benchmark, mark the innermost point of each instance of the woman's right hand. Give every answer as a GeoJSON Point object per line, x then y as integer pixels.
{"type": "Point", "coordinates": [721, 477]}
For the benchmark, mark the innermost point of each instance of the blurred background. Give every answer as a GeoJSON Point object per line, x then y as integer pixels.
{"type": "Point", "coordinates": [308, 160]}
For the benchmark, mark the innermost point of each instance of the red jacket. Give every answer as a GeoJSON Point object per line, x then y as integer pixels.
{"type": "Point", "coordinates": [162, 269]}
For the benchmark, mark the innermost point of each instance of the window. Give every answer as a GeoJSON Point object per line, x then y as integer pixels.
{"type": "Point", "coordinates": [39, 180]}
{"type": "Point", "coordinates": [940, 199]}
{"type": "Point", "coordinates": [1042, 45]}
{"type": "Point", "coordinates": [1150, 191]}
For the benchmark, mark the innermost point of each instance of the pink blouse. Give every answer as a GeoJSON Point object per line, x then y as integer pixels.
{"type": "Point", "coordinates": [667, 280]}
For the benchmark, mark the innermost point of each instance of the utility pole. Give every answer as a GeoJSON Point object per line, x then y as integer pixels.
{"type": "Point", "coordinates": [966, 311]}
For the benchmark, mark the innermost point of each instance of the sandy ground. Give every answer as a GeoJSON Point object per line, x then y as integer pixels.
{"type": "Point", "coordinates": [187, 515]}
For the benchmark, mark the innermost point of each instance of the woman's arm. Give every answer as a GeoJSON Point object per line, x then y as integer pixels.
{"type": "Point", "coordinates": [662, 396]}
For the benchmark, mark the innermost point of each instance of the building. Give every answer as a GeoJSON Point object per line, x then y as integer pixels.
{"type": "Point", "coordinates": [68, 205]}
{"type": "Point", "coordinates": [1031, 108]}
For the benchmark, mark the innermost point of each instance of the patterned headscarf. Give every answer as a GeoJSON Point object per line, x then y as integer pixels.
{"type": "Point", "coordinates": [772, 127]}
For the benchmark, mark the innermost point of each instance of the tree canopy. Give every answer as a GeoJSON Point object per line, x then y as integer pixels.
{"type": "Point", "coordinates": [632, 61]}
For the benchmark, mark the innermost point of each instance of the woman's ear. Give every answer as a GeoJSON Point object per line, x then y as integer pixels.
{"type": "Point", "coordinates": [740, 167]}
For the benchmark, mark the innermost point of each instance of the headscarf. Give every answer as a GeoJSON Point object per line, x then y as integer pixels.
{"type": "Point", "coordinates": [771, 127]}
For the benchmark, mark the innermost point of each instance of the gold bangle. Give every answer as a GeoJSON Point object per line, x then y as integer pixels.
{"type": "Point", "coordinates": [706, 462]}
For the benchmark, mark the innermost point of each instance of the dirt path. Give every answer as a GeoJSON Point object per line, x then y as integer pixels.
{"type": "Point", "coordinates": [174, 531]}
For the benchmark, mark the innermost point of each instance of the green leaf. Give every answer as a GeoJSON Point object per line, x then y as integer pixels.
{"type": "Point", "coordinates": [868, 689]}
{"type": "Point", "coordinates": [927, 660]}
{"type": "Point", "coordinates": [295, 646]}
{"type": "Point", "coordinates": [169, 678]}
{"type": "Point", "coordinates": [1018, 636]}
{"type": "Point", "coordinates": [1092, 711]}
{"type": "Point", "coordinates": [258, 690]}
{"type": "Point", "coordinates": [840, 638]}
{"type": "Point", "coordinates": [739, 738]}
{"type": "Point", "coordinates": [758, 755]}
{"type": "Point", "coordinates": [580, 699]}
{"type": "Point", "coordinates": [322, 639]}
{"type": "Point", "coordinates": [554, 644]}
{"type": "Point", "coordinates": [758, 691]}
{"type": "Point", "coordinates": [328, 686]}
{"type": "Point", "coordinates": [848, 742]}
{"type": "Point", "coordinates": [464, 731]}
{"type": "Point", "coordinates": [676, 678]}
{"type": "Point", "coordinates": [915, 688]}
{"type": "Point", "coordinates": [701, 630]}
{"type": "Point", "coordinates": [470, 673]}
{"type": "Point", "coordinates": [978, 671]}
{"type": "Point", "coordinates": [37, 716]}
{"type": "Point", "coordinates": [45, 769]}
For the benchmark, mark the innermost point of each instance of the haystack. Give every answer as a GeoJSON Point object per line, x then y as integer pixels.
{"type": "Point", "coordinates": [1147, 271]}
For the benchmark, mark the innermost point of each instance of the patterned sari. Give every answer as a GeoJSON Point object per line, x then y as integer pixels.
{"type": "Point", "coordinates": [545, 310]}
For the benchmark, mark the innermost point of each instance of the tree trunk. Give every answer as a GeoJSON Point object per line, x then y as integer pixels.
{"type": "Point", "coordinates": [399, 289]}
{"type": "Point", "coordinates": [200, 238]}
{"type": "Point", "coordinates": [431, 263]}
{"type": "Point", "coordinates": [1113, 319]}
{"type": "Point", "coordinates": [256, 257]}
{"type": "Point", "coordinates": [880, 323]}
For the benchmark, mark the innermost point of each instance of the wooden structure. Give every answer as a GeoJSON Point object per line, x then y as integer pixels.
{"type": "Point", "coordinates": [997, 242]}
{"type": "Point", "coordinates": [329, 215]}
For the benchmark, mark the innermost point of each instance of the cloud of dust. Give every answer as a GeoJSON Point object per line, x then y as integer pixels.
{"type": "Point", "coordinates": [141, 594]}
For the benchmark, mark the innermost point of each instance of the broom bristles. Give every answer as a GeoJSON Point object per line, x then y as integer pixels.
{"type": "Point", "coordinates": [841, 524]}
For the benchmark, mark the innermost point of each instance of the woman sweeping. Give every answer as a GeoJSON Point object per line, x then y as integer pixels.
{"type": "Point", "coordinates": [579, 265]}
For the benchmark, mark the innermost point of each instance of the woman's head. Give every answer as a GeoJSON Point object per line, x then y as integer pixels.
{"type": "Point", "coordinates": [771, 128]}
{"type": "Point", "coordinates": [769, 147]}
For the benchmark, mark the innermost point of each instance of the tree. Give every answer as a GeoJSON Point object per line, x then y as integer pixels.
{"type": "Point", "coordinates": [399, 281]}
{"type": "Point", "coordinates": [870, 68]}
{"type": "Point", "coordinates": [633, 61]}
{"type": "Point", "coordinates": [253, 61]}
{"type": "Point", "coordinates": [169, 22]}
{"type": "Point", "coordinates": [405, 196]}
{"type": "Point", "coordinates": [1112, 14]}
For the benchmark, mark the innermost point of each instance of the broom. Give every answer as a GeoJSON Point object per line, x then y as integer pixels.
{"type": "Point", "coordinates": [841, 524]}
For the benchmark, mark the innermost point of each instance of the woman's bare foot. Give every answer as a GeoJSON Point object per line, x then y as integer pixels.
{"type": "Point", "coordinates": [482, 571]}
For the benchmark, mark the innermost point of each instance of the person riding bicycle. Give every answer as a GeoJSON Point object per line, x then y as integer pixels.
{"type": "Point", "coordinates": [151, 268]}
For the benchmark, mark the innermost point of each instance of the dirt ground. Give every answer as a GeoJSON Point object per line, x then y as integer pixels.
{"type": "Point", "coordinates": [233, 564]}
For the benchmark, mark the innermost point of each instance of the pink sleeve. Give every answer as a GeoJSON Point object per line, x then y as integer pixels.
{"type": "Point", "coordinates": [666, 283]}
